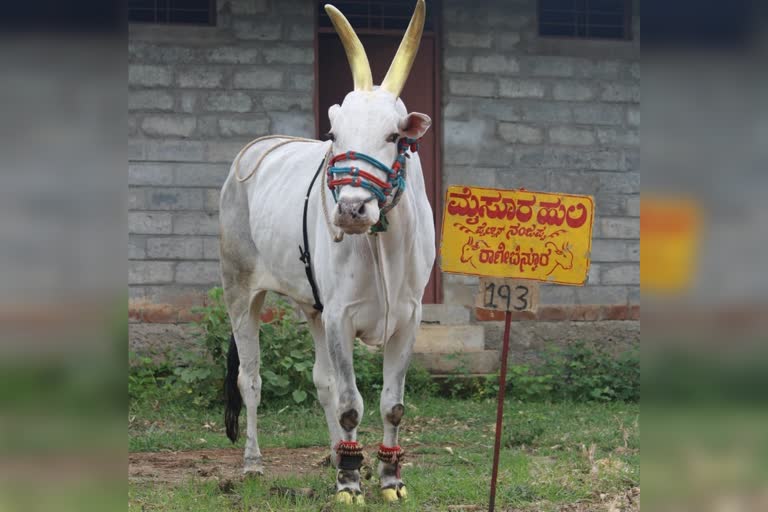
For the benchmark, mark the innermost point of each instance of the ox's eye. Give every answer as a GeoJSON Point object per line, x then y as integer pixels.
{"type": "Point", "coordinates": [393, 137]}
{"type": "Point", "coordinates": [329, 136]}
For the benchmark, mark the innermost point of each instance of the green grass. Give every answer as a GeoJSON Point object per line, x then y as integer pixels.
{"type": "Point", "coordinates": [544, 461]}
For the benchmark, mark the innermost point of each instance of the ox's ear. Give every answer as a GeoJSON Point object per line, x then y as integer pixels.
{"type": "Point", "coordinates": [415, 125]}
{"type": "Point", "coordinates": [332, 111]}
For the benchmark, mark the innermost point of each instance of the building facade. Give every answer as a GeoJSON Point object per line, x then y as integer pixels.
{"type": "Point", "coordinates": [514, 106]}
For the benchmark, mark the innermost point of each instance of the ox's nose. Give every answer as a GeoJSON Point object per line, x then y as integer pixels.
{"type": "Point", "coordinates": [354, 215]}
{"type": "Point", "coordinates": [352, 208]}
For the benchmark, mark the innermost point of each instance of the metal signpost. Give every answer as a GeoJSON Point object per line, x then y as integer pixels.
{"type": "Point", "coordinates": [513, 238]}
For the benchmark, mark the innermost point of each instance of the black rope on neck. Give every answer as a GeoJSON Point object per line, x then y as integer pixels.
{"type": "Point", "coordinates": [304, 255]}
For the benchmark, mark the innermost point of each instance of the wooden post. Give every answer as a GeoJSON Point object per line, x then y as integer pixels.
{"type": "Point", "coordinates": [508, 295]}
{"type": "Point", "coordinates": [500, 409]}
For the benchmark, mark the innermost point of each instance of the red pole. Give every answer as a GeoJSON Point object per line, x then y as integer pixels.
{"type": "Point", "coordinates": [500, 409]}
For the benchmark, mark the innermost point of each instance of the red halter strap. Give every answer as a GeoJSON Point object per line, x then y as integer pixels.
{"type": "Point", "coordinates": [359, 173]}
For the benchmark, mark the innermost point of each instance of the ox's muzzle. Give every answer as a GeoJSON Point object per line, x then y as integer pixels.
{"type": "Point", "coordinates": [355, 215]}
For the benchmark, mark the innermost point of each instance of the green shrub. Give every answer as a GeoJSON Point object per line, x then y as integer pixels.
{"type": "Point", "coordinates": [199, 374]}
{"type": "Point", "coordinates": [368, 370]}
{"type": "Point", "coordinates": [146, 377]}
{"type": "Point", "coordinates": [463, 385]}
{"type": "Point", "coordinates": [529, 385]}
{"type": "Point", "coordinates": [579, 372]}
{"type": "Point", "coordinates": [287, 358]}
{"type": "Point", "coordinates": [418, 381]}
{"type": "Point", "coordinates": [369, 364]}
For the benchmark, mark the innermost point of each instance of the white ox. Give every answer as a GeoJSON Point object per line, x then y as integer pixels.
{"type": "Point", "coordinates": [371, 285]}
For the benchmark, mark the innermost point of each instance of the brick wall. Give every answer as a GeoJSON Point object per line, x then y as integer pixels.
{"type": "Point", "coordinates": [197, 95]}
{"type": "Point", "coordinates": [519, 111]}
{"type": "Point", "coordinates": [545, 114]}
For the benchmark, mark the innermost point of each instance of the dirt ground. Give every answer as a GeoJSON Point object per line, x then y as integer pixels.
{"type": "Point", "coordinates": [225, 465]}
{"type": "Point", "coordinates": [175, 467]}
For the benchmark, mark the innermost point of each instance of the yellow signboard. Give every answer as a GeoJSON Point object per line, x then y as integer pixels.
{"type": "Point", "coordinates": [671, 229]}
{"type": "Point", "coordinates": [517, 233]}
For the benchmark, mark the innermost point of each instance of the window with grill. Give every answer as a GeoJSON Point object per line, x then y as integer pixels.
{"type": "Point", "coordinates": [586, 19]}
{"type": "Point", "coordinates": [182, 12]}
{"type": "Point", "coordinates": [376, 14]}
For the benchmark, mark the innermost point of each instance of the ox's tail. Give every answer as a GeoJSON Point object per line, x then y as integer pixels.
{"type": "Point", "coordinates": [234, 402]}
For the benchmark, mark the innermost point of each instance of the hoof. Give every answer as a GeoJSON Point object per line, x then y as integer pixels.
{"type": "Point", "coordinates": [253, 466]}
{"type": "Point", "coordinates": [389, 495]}
{"type": "Point", "coordinates": [253, 472]}
{"type": "Point", "coordinates": [346, 497]}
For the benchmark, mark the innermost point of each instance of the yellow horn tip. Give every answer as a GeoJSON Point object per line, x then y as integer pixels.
{"type": "Point", "coordinates": [358, 60]}
{"type": "Point", "coordinates": [395, 79]}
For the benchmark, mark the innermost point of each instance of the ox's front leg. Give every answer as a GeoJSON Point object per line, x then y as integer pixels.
{"type": "Point", "coordinates": [324, 376]}
{"type": "Point", "coordinates": [397, 357]}
{"type": "Point", "coordinates": [348, 454]}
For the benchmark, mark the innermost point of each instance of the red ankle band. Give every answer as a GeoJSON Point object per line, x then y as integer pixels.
{"type": "Point", "coordinates": [348, 448]}
{"type": "Point", "coordinates": [390, 454]}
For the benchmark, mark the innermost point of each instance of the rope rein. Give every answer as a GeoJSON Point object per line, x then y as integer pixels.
{"type": "Point", "coordinates": [288, 140]}
{"type": "Point", "coordinates": [338, 235]}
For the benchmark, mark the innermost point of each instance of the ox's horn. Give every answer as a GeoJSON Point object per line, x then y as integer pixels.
{"type": "Point", "coordinates": [358, 60]}
{"type": "Point", "coordinates": [406, 54]}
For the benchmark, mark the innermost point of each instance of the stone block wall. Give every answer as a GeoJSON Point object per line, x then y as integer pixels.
{"type": "Point", "coordinates": [518, 111]}
{"type": "Point", "coordinates": [545, 114]}
{"type": "Point", "coordinates": [196, 96]}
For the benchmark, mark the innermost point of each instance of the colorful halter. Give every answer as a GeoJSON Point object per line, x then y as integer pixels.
{"type": "Point", "coordinates": [381, 190]}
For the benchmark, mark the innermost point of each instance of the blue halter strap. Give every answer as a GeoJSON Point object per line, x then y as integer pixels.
{"type": "Point", "coordinates": [356, 177]}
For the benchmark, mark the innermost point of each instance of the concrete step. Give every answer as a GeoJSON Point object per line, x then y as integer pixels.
{"type": "Point", "coordinates": [477, 362]}
{"type": "Point", "coordinates": [444, 314]}
{"type": "Point", "coordinates": [449, 338]}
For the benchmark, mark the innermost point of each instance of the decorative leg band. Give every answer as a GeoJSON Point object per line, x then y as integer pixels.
{"type": "Point", "coordinates": [350, 455]}
{"type": "Point", "coordinates": [391, 455]}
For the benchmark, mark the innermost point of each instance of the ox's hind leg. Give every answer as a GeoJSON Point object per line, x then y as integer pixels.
{"type": "Point", "coordinates": [397, 356]}
{"type": "Point", "coordinates": [249, 382]}
{"type": "Point", "coordinates": [244, 308]}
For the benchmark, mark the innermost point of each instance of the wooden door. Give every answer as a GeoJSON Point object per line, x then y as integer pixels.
{"type": "Point", "coordinates": [419, 95]}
